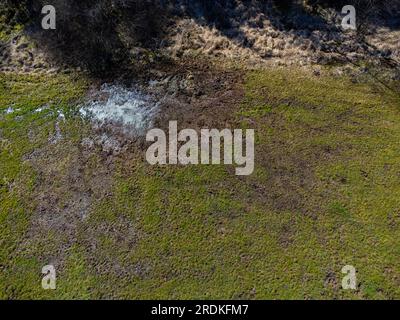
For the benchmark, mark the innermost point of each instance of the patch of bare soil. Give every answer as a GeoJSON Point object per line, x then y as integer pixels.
{"type": "Point", "coordinates": [75, 175]}
{"type": "Point", "coordinates": [290, 184]}
{"type": "Point", "coordinates": [198, 94]}
{"type": "Point", "coordinates": [70, 177]}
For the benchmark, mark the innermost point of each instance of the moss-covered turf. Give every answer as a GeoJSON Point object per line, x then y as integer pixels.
{"type": "Point", "coordinates": [325, 193]}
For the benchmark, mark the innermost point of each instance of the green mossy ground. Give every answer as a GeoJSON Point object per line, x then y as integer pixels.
{"type": "Point", "coordinates": [325, 193]}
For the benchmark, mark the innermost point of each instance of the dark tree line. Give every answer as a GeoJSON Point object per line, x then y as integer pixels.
{"type": "Point", "coordinates": [98, 34]}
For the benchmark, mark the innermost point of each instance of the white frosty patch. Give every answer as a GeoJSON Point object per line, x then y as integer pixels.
{"type": "Point", "coordinates": [61, 115]}
{"type": "Point", "coordinates": [9, 110]}
{"type": "Point", "coordinates": [57, 134]}
{"type": "Point", "coordinates": [42, 108]}
{"type": "Point", "coordinates": [118, 105]}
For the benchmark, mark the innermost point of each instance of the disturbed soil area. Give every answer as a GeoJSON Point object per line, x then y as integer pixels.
{"type": "Point", "coordinates": [199, 94]}
{"type": "Point", "coordinates": [78, 193]}
{"type": "Point", "coordinates": [72, 175]}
